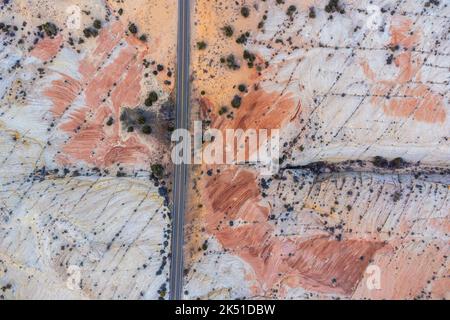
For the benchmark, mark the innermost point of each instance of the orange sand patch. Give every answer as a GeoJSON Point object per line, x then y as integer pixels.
{"type": "Point", "coordinates": [210, 75]}
{"type": "Point", "coordinates": [158, 21]}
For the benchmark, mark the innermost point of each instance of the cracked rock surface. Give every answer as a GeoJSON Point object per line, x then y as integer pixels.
{"type": "Point", "coordinates": [360, 206]}
{"type": "Point", "coordinates": [358, 89]}
{"type": "Point", "coordinates": [86, 91]}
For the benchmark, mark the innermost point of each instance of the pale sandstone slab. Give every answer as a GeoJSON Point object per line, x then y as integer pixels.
{"type": "Point", "coordinates": [78, 201]}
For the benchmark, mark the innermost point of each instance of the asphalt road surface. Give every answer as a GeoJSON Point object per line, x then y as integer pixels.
{"type": "Point", "coordinates": [181, 171]}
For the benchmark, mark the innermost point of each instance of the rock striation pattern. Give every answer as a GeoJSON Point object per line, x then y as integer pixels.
{"type": "Point", "coordinates": [358, 89]}
{"type": "Point", "coordinates": [86, 91]}
{"type": "Point", "coordinates": [360, 206]}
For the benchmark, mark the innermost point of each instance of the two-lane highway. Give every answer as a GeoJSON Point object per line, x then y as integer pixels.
{"type": "Point", "coordinates": [181, 170]}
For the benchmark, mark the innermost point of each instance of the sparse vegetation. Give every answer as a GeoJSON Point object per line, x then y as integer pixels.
{"type": "Point", "coordinates": [90, 32]}
{"type": "Point", "coordinates": [228, 31]}
{"type": "Point", "coordinates": [146, 129]}
{"type": "Point", "coordinates": [133, 28]}
{"type": "Point", "coordinates": [250, 57]}
{"type": "Point", "coordinates": [152, 98]}
{"type": "Point", "coordinates": [245, 12]}
{"type": "Point", "coordinates": [223, 110]}
{"type": "Point", "coordinates": [396, 196]}
{"type": "Point", "coordinates": [242, 87]}
{"type": "Point", "coordinates": [397, 163]}
{"type": "Point", "coordinates": [380, 162]}
{"type": "Point", "coordinates": [157, 170]}
{"type": "Point", "coordinates": [97, 24]}
{"type": "Point", "coordinates": [291, 10]}
{"type": "Point", "coordinates": [242, 39]}
{"type": "Point", "coordinates": [50, 29]}
{"type": "Point", "coordinates": [236, 102]}
{"type": "Point", "coordinates": [201, 45]}
{"type": "Point", "coordinates": [141, 119]}
{"type": "Point", "coordinates": [230, 60]}
{"type": "Point", "coordinates": [334, 6]}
